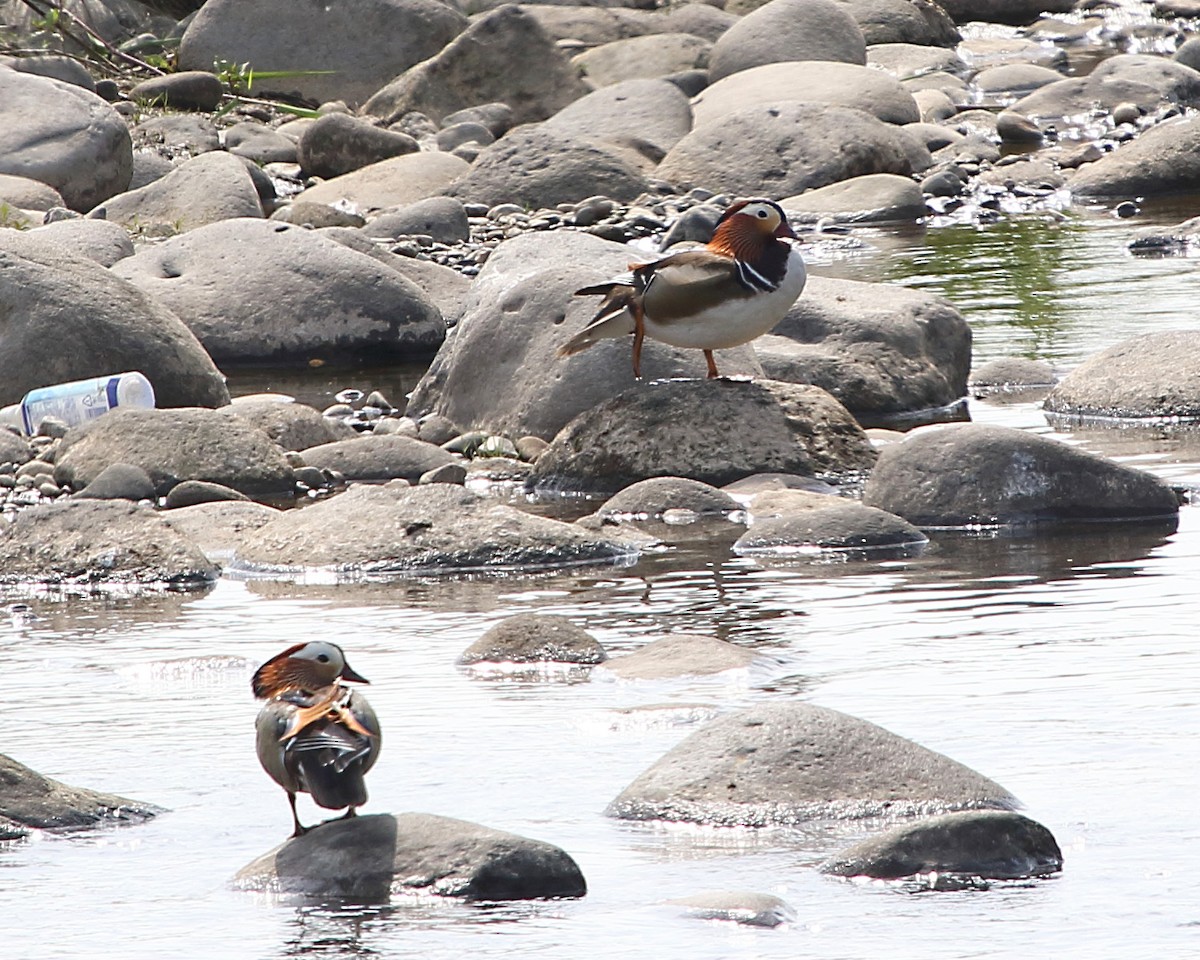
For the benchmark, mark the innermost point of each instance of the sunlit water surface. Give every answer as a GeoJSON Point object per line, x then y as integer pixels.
{"type": "Point", "coordinates": [1063, 667]}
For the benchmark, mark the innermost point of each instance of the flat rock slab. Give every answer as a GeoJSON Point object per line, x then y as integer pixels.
{"type": "Point", "coordinates": [30, 800]}
{"type": "Point", "coordinates": [971, 473]}
{"type": "Point", "coordinates": [1153, 375]}
{"type": "Point", "coordinates": [435, 528]}
{"type": "Point", "coordinates": [990, 844]}
{"type": "Point", "coordinates": [788, 763]}
{"type": "Point", "coordinates": [370, 858]}
{"type": "Point", "coordinates": [219, 526]}
{"type": "Point", "coordinates": [98, 541]}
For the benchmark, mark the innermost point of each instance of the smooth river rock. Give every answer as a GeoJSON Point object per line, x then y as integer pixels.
{"type": "Point", "coordinates": [1164, 159]}
{"type": "Point", "coordinates": [840, 526]}
{"type": "Point", "coordinates": [789, 30]}
{"type": "Point", "coordinates": [788, 763]}
{"type": "Point", "coordinates": [379, 457]}
{"type": "Point", "coordinates": [650, 499]}
{"type": "Point", "coordinates": [370, 858]}
{"type": "Point", "coordinates": [966, 474]}
{"type": "Point", "coordinates": [534, 638]}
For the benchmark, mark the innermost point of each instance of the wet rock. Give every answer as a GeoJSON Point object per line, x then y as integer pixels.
{"type": "Point", "coordinates": [373, 457]}
{"type": "Point", "coordinates": [652, 498]}
{"type": "Point", "coordinates": [218, 527]}
{"type": "Point", "coordinates": [679, 655]}
{"type": "Point", "coordinates": [1013, 372]}
{"type": "Point", "coordinates": [503, 55]}
{"type": "Point", "coordinates": [391, 183]}
{"type": "Point", "coordinates": [500, 369]}
{"type": "Point", "coordinates": [1151, 375]}
{"type": "Point", "coordinates": [876, 198]}
{"type": "Point", "coordinates": [64, 318]}
{"type": "Point", "coordinates": [338, 143]}
{"type": "Point", "coordinates": [971, 474]}
{"type": "Point", "coordinates": [788, 763]}
{"type": "Point", "coordinates": [97, 240]}
{"type": "Point", "coordinates": [120, 481]}
{"type": "Point", "coordinates": [843, 526]}
{"type": "Point", "coordinates": [185, 90]}
{"type": "Point", "coordinates": [746, 907]}
{"type": "Point", "coordinates": [714, 431]}
{"type": "Point", "coordinates": [211, 187]}
{"type": "Point", "coordinates": [437, 528]}
{"type": "Point", "coordinates": [988, 844]}
{"type": "Point", "coordinates": [882, 354]}
{"type": "Point", "coordinates": [191, 492]}
{"type": "Point", "coordinates": [813, 81]}
{"type": "Point", "coordinates": [368, 858]}
{"type": "Point", "coordinates": [536, 166]}
{"type": "Point", "coordinates": [64, 136]}
{"type": "Point", "coordinates": [786, 148]}
{"type": "Point", "coordinates": [442, 218]}
{"type": "Point", "coordinates": [293, 426]}
{"type": "Point", "coordinates": [789, 30]}
{"type": "Point", "coordinates": [343, 52]}
{"type": "Point", "coordinates": [173, 446]}
{"type": "Point", "coordinates": [312, 297]}
{"type": "Point", "coordinates": [31, 800]}
{"type": "Point", "coordinates": [648, 116]}
{"type": "Point", "coordinates": [1164, 159]}
{"type": "Point", "coordinates": [534, 638]}
{"type": "Point", "coordinates": [654, 55]}
{"type": "Point", "coordinates": [1016, 12]}
{"type": "Point", "coordinates": [98, 541]}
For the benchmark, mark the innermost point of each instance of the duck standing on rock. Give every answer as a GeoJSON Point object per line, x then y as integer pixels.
{"type": "Point", "coordinates": [315, 736]}
{"type": "Point", "coordinates": [735, 288]}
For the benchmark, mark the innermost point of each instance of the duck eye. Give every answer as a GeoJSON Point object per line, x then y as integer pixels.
{"type": "Point", "coordinates": [324, 657]}
{"type": "Point", "coordinates": [762, 214]}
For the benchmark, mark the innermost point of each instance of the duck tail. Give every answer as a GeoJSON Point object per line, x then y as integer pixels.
{"type": "Point", "coordinates": [614, 318]}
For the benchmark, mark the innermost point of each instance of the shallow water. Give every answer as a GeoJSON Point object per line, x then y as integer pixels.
{"type": "Point", "coordinates": [1063, 667]}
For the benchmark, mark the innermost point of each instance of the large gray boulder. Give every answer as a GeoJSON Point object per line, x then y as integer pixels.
{"type": "Point", "coordinates": [503, 55]}
{"type": "Point", "coordinates": [837, 525]}
{"type": "Point", "coordinates": [902, 21]}
{"type": "Point", "coordinates": [499, 369]}
{"type": "Point", "coordinates": [1165, 159]}
{"type": "Point", "coordinates": [209, 188]}
{"type": "Point", "coordinates": [653, 55]}
{"type": "Point", "coordinates": [811, 81]}
{"type": "Point", "coordinates": [883, 350]}
{"type": "Point", "coordinates": [437, 528]}
{"type": "Point", "coordinates": [875, 198]}
{"type": "Point", "coordinates": [368, 858]}
{"type": "Point", "coordinates": [173, 446]}
{"type": "Point", "coordinates": [971, 844]}
{"type": "Point", "coordinates": [651, 499]}
{"type": "Point", "coordinates": [63, 318]}
{"type": "Point", "coordinates": [715, 431]}
{"type": "Point", "coordinates": [78, 542]}
{"type": "Point", "coordinates": [648, 116]}
{"type": "Point", "coordinates": [788, 30]}
{"type": "Point", "coordinates": [788, 763]}
{"type": "Point", "coordinates": [538, 166]}
{"type": "Point", "coordinates": [338, 143]}
{"type": "Point", "coordinates": [29, 800]}
{"type": "Point", "coordinates": [64, 136]}
{"type": "Point", "coordinates": [311, 297]}
{"type": "Point", "coordinates": [786, 148]}
{"type": "Point", "coordinates": [969, 474]}
{"type": "Point", "coordinates": [341, 51]}
{"type": "Point", "coordinates": [98, 240]}
{"type": "Point", "coordinates": [1152, 375]}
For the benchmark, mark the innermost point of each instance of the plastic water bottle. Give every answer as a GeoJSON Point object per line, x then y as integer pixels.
{"type": "Point", "coordinates": [79, 401]}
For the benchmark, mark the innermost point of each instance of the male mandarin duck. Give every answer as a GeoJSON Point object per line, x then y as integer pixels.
{"type": "Point", "coordinates": [735, 288]}
{"type": "Point", "coordinates": [314, 735]}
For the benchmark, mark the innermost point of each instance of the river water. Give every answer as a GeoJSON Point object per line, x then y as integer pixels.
{"type": "Point", "coordinates": [1064, 667]}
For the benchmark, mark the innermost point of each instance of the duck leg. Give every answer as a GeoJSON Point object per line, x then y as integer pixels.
{"type": "Point", "coordinates": [639, 334]}
{"type": "Point", "coordinates": [298, 830]}
{"type": "Point", "coordinates": [712, 365]}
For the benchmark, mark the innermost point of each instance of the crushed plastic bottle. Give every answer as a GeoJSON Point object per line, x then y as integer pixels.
{"type": "Point", "coordinates": [79, 401]}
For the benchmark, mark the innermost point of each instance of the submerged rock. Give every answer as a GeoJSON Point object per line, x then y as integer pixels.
{"type": "Point", "coordinates": [991, 844]}
{"type": "Point", "coordinates": [535, 638]}
{"type": "Point", "coordinates": [844, 526]}
{"type": "Point", "coordinates": [369, 858]}
{"type": "Point", "coordinates": [650, 499]}
{"type": "Point", "coordinates": [30, 800]}
{"type": "Point", "coordinates": [746, 907]}
{"type": "Point", "coordinates": [787, 763]}
{"type": "Point", "coordinates": [680, 654]}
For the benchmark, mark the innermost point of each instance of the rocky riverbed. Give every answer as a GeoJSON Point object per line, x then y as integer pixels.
{"type": "Point", "coordinates": [436, 207]}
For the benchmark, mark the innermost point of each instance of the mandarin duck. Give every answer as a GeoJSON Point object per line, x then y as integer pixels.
{"type": "Point", "coordinates": [314, 735]}
{"type": "Point", "coordinates": [735, 288]}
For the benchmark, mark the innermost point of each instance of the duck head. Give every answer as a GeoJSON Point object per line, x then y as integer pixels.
{"type": "Point", "coordinates": [306, 666]}
{"type": "Point", "coordinates": [749, 226]}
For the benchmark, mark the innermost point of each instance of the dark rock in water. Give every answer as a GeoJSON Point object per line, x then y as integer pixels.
{"type": "Point", "coordinates": [535, 638]}
{"type": "Point", "coordinates": [715, 431]}
{"type": "Point", "coordinates": [191, 492]}
{"type": "Point", "coordinates": [1152, 375]}
{"type": "Point", "coordinates": [120, 481]}
{"type": "Point", "coordinates": [98, 541]}
{"type": "Point", "coordinates": [788, 763]}
{"type": "Point", "coordinates": [1013, 372]}
{"type": "Point", "coordinates": [173, 446]}
{"type": "Point", "coordinates": [369, 858]}
{"type": "Point", "coordinates": [430, 529]}
{"type": "Point", "coordinates": [746, 907]}
{"type": "Point", "coordinates": [383, 457]}
{"type": "Point", "coordinates": [31, 800]}
{"type": "Point", "coordinates": [990, 844]}
{"type": "Point", "coordinates": [678, 655]}
{"type": "Point", "coordinates": [844, 526]}
{"type": "Point", "coordinates": [652, 498]}
{"type": "Point", "coordinates": [971, 474]}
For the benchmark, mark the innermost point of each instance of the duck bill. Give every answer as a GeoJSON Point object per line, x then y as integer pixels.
{"type": "Point", "coordinates": [785, 230]}
{"type": "Point", "coordinates": [349, 673]}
